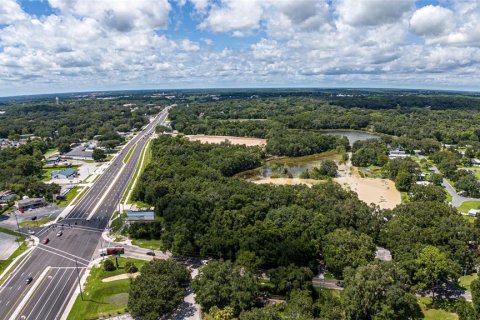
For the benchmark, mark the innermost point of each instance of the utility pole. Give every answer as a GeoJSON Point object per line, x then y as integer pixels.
{"type": "Point", "coordinates": [78, 276]}
{"type": "Point", "coordinates": [16, 219]}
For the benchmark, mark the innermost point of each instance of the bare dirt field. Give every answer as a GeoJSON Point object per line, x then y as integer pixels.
{"type": "Point", "coordinates": [286, 181]}
{"type": "Point", "coordinates": [249, 142]}
{"type": "Point", "coordinates": [382, 192]}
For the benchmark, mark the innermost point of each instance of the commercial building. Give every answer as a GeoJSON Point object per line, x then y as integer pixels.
{"type": "Point", "coordinates": [29, 203]}
{"type": "Point", "coordinates": [79, 153]}
{"type": "Point", "coordinates": [68, 173]}
{"type": "Point", "coordinates": [53, 160]}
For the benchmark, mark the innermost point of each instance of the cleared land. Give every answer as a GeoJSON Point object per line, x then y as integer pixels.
{"type": "Point", "coordinates": [249, 142]}
{"type": "Point", "coordinates": [382, 192]}
{"type": "Point", "coordinates": [286, 181]}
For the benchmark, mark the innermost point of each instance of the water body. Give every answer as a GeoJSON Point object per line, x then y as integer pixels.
{"type": "Point", "coordinates": [289, 167]}
{"type": "Point", "coordinates": [352, 136]}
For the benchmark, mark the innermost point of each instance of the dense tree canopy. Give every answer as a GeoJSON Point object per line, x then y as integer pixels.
{"type": "Point", "coordinates": [158, 290]}
{"type": "Point", "coordinates": [205, 211]}
{"type": "Point", "coordinates": [379, 290]}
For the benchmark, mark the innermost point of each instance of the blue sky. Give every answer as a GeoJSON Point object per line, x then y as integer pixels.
{"type": "Point", "coordinates": [81, 45]}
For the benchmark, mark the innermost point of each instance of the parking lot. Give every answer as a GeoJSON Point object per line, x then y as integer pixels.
{"type": "Point", "coordinates": [8, 245]}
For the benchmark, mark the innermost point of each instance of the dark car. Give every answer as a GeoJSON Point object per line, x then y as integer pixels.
{"type": "Point", "coordinates": [28, 280]}
{"type": "Point", "coordinates": [45, 241]}
{"type": "Point", "coordinates": [150, 253]}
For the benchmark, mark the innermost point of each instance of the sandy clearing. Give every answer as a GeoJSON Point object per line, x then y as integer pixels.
{"type": "Point", "coordinates": [121, 277]}
{"type": "Point", "coordinates": [249, 142]}
{"type": "Point", "coordinates": [382, 192]}
{"type": "Point", "coordinates": [286, 181]}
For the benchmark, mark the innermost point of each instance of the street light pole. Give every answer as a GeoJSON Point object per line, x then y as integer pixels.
{"type": "Point", "coordinates": [16, 219]}
{"type": "Point", "coordinates": [78, 276]}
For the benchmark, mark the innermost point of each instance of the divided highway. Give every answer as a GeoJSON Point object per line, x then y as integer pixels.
{"type": "Point", "coordinates": [52, 265]}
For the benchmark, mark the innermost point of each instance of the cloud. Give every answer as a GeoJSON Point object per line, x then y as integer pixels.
{"type": "Point", "coordinates": [372, 12]}
{"type": "Point", "coordinates": [10, 12]}
{"type": "Point", "coordinates": [120, 15]}
{"type": "Point", "coordinates": [86, 44]}
{"type": "Point", "coordinates": [240, 17]}
{"type": "Point", "coordinates": [432, 21]}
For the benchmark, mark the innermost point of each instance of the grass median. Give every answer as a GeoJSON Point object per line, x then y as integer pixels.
{"type": "Point", "coordinates": [104, 299]}
{"type": "Point", "coordinates": [145, 158]}
{"type": "Point", "coordinates": [129, 154]}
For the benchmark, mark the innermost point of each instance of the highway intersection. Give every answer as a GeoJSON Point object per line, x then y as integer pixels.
{"type": "Point", "coordinates": [57, 266]}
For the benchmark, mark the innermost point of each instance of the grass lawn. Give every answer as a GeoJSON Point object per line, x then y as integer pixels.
{"type": "Point", "coordinates": [465, 281]}
{"type": "Point", "coordinates": [434, 314]}
{"type": "Point", "coordinates": [69, 197]}
{"type": "Point", "coordinates": [467, 205]}
{"type": "Point", "coordinates": [129, 154]}
{"type": "Point", "coordinates": [35, 223]}
{"type": "Point", "coordinates": [103, 299]}
{"type": "Point", "coordinates": [153, 244]}
{"type": "Point", "coordinates": [49, 152]}
{"type": "Point", "coordinates": [47, 171]}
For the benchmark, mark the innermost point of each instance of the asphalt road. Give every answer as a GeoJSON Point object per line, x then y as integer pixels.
{"type": "Point", "coordinates": [53, 266]}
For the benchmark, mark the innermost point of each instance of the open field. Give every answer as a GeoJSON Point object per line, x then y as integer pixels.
{"type": "Point", "coordinates": [382, 192]}
{"type": "Point", "coordinates": [249, 142]}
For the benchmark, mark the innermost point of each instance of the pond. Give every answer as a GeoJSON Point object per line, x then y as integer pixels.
{"type": "Point", "coordinates": [289, 167]}
{"type": "Point", "coordinates": [352, 136]}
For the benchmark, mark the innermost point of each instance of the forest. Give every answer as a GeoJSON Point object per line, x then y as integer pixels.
{"type": "Point", "coordinates": [58, 126]}
{"type": "Point", "coordinates": [72, 121]}
{"type": "Point", "coordinates": [289, 232]}
{"type": "Point", "coordinates": [21, 170]}
{"type": "Point", "coordinates": [423, 127]}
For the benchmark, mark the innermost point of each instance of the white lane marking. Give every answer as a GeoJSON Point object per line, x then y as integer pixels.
{"type": "Point", "coordinates": [27, 297]}
{"type": "Point", "coordinates": [64, 252]}
{"type": "Point", "coordinates": [62, 256]}
{"type": "Point", "coordinates": [58, 296]}
{"type": "Point", "coordinates": [45, 291]}
{"type": "Point", "coordinates": [17, 270]}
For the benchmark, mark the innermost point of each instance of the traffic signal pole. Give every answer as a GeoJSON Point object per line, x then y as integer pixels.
{"type": "Point", "coordinates": [78, 277]}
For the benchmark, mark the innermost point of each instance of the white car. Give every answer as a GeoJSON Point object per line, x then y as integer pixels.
{"type": "Point", "coordinates": [31, 232]}
{"type": "Point", "coordinates": [59, 233]}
